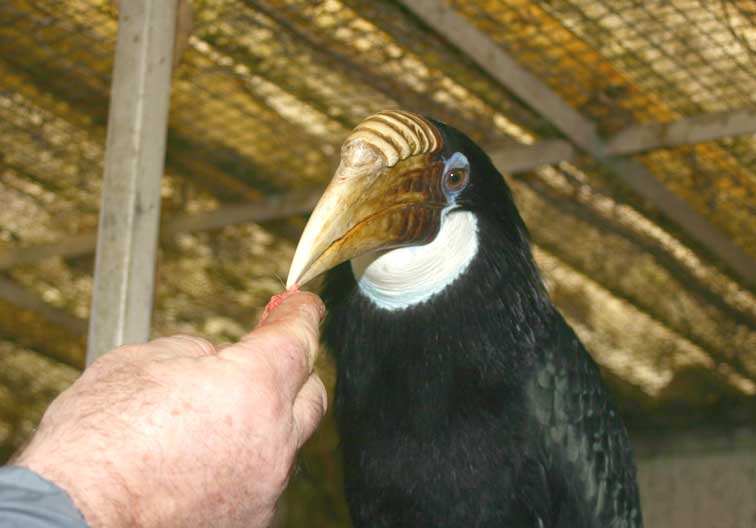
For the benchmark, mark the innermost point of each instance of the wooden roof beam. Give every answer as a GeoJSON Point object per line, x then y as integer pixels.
{"type": "Point", "coordinates": [695, 129]}
{"type": "Point", "coordinates": [19, 296]}
{"type": "Point", "coordinates": [634, 139]}
{"type": "Point", "coordinates": [510, 159]}
{"type": "Point", "coordinates": [274, 207]}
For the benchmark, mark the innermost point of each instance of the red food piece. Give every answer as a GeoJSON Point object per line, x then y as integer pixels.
{"type": "Point", "coordinates": [276, 301]}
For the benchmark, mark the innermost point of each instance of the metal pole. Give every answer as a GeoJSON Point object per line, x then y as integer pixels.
{"type": "Point", "coordinates": [130, 208]}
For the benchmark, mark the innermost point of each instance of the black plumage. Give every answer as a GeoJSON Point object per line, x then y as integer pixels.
{"type": "Point", "coordinates": [479, 407]}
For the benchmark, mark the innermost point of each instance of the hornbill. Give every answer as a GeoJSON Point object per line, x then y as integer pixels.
{"type": "Point", "coordinates": [463, 398]}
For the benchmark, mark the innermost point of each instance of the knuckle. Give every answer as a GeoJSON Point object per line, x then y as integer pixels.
{"type": "Point", "coordinates": [197, 345]}
{"type": "Point", "coordinates": [315, 411]}
{"type": "Point", "coordinates": [113, 360]}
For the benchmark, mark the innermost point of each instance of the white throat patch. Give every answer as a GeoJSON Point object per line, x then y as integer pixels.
{"type": "Point", "coordinates": [399, 278]}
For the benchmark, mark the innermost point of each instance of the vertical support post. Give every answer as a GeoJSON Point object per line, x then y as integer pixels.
{"type": "Point", "coordinates": [134, 160]}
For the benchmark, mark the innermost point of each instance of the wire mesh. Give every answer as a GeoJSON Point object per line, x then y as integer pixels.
{"type": "Point", "coordinates": [629, 61]}
{"type": "Point", "coordinates": [264, 94]}
{"type": "Point", "coordinates": [622, 63]}
{"type": "Point", "coordinates": [715, 182]}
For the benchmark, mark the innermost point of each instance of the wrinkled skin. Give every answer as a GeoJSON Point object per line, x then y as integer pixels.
{"type": "Point", "coordinates": [177, 432]}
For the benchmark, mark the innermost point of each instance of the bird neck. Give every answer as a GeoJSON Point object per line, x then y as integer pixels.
{"type": "Point", "coordinates": [482, 330]}
{"type": "Point", "coordinates": [399, 278]}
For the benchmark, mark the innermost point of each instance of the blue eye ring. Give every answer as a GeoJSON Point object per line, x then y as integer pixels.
{"type": "Point", "coordinates": [456, 173]}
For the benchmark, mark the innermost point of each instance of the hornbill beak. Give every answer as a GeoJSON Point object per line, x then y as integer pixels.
{"type": "Point", "coordinates": [385, 194]}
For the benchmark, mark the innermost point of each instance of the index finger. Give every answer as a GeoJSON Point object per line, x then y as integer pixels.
{"type": "Point", "coordinates": [287, 340]}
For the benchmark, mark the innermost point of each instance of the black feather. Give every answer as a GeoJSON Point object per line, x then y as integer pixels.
{"type": "Point", "coordinates": [478, 407]}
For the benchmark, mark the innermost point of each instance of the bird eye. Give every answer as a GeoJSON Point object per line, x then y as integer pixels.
{"type": "Point", "coordinates": [455, 179]}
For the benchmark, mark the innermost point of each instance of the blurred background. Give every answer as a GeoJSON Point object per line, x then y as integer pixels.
{"type": "Point", "coordinates": [627, 130]}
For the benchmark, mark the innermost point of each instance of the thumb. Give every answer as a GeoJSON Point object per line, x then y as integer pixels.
{"type": "Point", "coordinates": [295, 319]}
{"type": "Point", "coordinates": [287, 339]}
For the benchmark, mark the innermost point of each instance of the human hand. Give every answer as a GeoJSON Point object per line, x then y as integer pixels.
{"type": "Point", "coordinates": [177, 433]}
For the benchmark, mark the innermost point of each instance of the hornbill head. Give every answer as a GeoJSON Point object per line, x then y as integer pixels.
{"type": "Point", "coordinates": [400, 177]}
